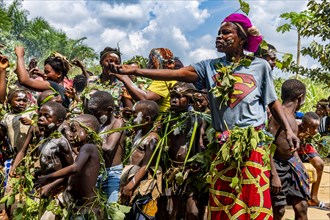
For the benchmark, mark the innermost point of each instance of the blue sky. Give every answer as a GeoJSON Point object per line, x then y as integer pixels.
{"type": "Point", "coordinates": [188, 28]}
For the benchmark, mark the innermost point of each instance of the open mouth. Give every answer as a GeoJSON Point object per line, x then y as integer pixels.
{"type": "Point", "coordinates": [41, 127]}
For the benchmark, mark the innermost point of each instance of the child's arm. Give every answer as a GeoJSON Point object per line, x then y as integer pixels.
{"type": "Point", "coordinates": [47, 189]}
{"type": "Point", "coordinates": [4, 63]}
{"type": "Point", "coordinates": [275, 184]}
{"type": "Point", "coordinates": [128, 189]}
{"type": "Point", "coordinates": [20, 155]}
{"type": "Point", "coordinates": [81, 160]}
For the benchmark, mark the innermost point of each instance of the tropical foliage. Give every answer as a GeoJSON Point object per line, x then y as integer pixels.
{"type": "Point", "coordinates": [312, 23]}
{"type": "Point", "coordinates": [37, 35]}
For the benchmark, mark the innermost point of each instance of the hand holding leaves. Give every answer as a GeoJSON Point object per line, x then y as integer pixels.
{"type": "Point", "coordinates": [41, 181]}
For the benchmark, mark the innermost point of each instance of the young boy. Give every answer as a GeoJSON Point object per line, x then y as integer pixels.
{"type": "Point", "coordinates": [12, 126]}
{"type": "Point", "coordinates": [80, 193]}
{"type": "Point", "coordinates": [289, 180]}
{"type": "Point", "coordinates": [307, 153]}
{"type": "Point", "coordinates": [55, 152]}
{"type": "Point", "coordinates": [182, 197]}
{"type": "Point", "coordinates": [101, 105]}
{"type": "Point", "coordinates": [13, 132]}
{"type": "Point", "coordinates": [136, 177]}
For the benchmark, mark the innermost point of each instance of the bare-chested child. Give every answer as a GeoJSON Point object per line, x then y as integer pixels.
{"type": "Point", "coordinates": [137, 175]}
{"type": "Point", "coordinates": [101, 105]}
{"type": "Point", "coordinates": [289, 180]}
{"type": "Point", "coordinates": [54, 150]}
{"type": "Point", "coordinates": [307, 153]}
{"type": "Point", "coordinates": [183, 198]}
{"type": "Point", "coordinates": [79, 196]}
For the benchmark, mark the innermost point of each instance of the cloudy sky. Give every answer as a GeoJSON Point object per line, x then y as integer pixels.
{"type": "Point", "coordinates": [188, 28]}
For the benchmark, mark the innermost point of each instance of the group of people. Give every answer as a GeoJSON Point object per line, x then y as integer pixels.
{"type": "Point", "coordinates": [196, 144]}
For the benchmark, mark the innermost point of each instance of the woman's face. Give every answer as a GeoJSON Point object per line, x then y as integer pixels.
{"type": "Point", "coordinates": [51, 74]}
{"type": "Point", "coordinates": [228, 39]}
{"type": "Point", "coordinates": [109, 58]}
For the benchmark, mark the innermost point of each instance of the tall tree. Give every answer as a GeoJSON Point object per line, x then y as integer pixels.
{"type": "Point", "coordinates": [312, 23]}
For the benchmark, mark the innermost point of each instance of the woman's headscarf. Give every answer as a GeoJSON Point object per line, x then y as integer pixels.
{"type": "Point", "coordinates": [161, 58]}
{"type": "Point", "coordinates": [251, 32]}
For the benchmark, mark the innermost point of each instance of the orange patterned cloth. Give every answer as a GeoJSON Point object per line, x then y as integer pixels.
{"type": "Point", "coordinates": [252, 201]}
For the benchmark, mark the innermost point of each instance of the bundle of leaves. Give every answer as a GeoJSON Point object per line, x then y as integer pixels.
{"type": "Point", "coordinates": [225, 80]}
{"type": "Point", "coordinates": [234, 151]}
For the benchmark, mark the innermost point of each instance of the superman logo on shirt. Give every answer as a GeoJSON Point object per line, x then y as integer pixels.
{"type": "Point", "coordinates": [244, 85]}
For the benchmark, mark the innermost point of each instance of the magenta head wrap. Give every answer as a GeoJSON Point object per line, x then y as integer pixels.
{"type": "Point", "coordinates": [253, 36]}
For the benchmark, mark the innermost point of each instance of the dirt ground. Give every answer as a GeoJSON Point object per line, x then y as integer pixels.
{"type": "Point", "coordinates": [324, 195]}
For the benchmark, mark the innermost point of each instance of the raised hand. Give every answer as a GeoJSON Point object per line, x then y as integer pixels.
{"type": "Point", "coordinates": [19, 50]}
{"type": "Point", "coordinates": [77, 63]}
{"type": "Point", "coordinates": [4, 62]}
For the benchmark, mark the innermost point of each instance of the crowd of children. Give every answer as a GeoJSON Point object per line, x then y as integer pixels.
{"type": "Point", "coordinates": [81, 148]}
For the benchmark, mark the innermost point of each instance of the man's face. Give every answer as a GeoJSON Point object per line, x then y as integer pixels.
{"type": "Point", "coordinates": [47, 119]}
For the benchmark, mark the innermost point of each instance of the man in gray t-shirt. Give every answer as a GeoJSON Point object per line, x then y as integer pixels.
{"type": "Point", "coordinates": [253, 91]}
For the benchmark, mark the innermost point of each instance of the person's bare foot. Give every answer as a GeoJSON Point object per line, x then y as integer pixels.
{"type": "Point", "coordinates": [319, 204]}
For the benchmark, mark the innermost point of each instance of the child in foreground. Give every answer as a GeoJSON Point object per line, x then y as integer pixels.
{"type": "Point", "coordinates": [102, 106]}
{"type": "Point", "coordinates": [138, 184]}
{"type": "Point", "coordinates": [289, 179]}
{"type": "Point", "coordinates": [80, 194]}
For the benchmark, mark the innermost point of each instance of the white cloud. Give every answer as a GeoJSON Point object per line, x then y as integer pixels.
{"type": "Point", "coordinates": [201, 54]}
{"type": "Point", "coordinates": [186, 27]}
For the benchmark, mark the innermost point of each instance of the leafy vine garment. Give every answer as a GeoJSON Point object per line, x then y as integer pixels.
{"type": "Point", "coordinates": [253, 91]}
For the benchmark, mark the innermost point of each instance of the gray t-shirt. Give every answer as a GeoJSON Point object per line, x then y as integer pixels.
{"type": "Point", "coordinates": [254, 90]}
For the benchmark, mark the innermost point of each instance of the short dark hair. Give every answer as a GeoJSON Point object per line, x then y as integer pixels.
{"type": "Point", "coordinates": [310, 115]}
{"type": "Point", "coordinates": [110, 50]}
{"type": "Point", "coordinates": [44, 95]}
{"type": "Point", "coordinates": [59, 110]}
{"type": "Point", "coordinates": [102, 100]}
{"type": "Point", "coordinates": [150, 108]}
{"type": "Point", "coordinates": [79, 83]}
{"type": "Point", "coordinates": [292, 89]}
{"type": "Point", "coordinates": [88, 120]}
